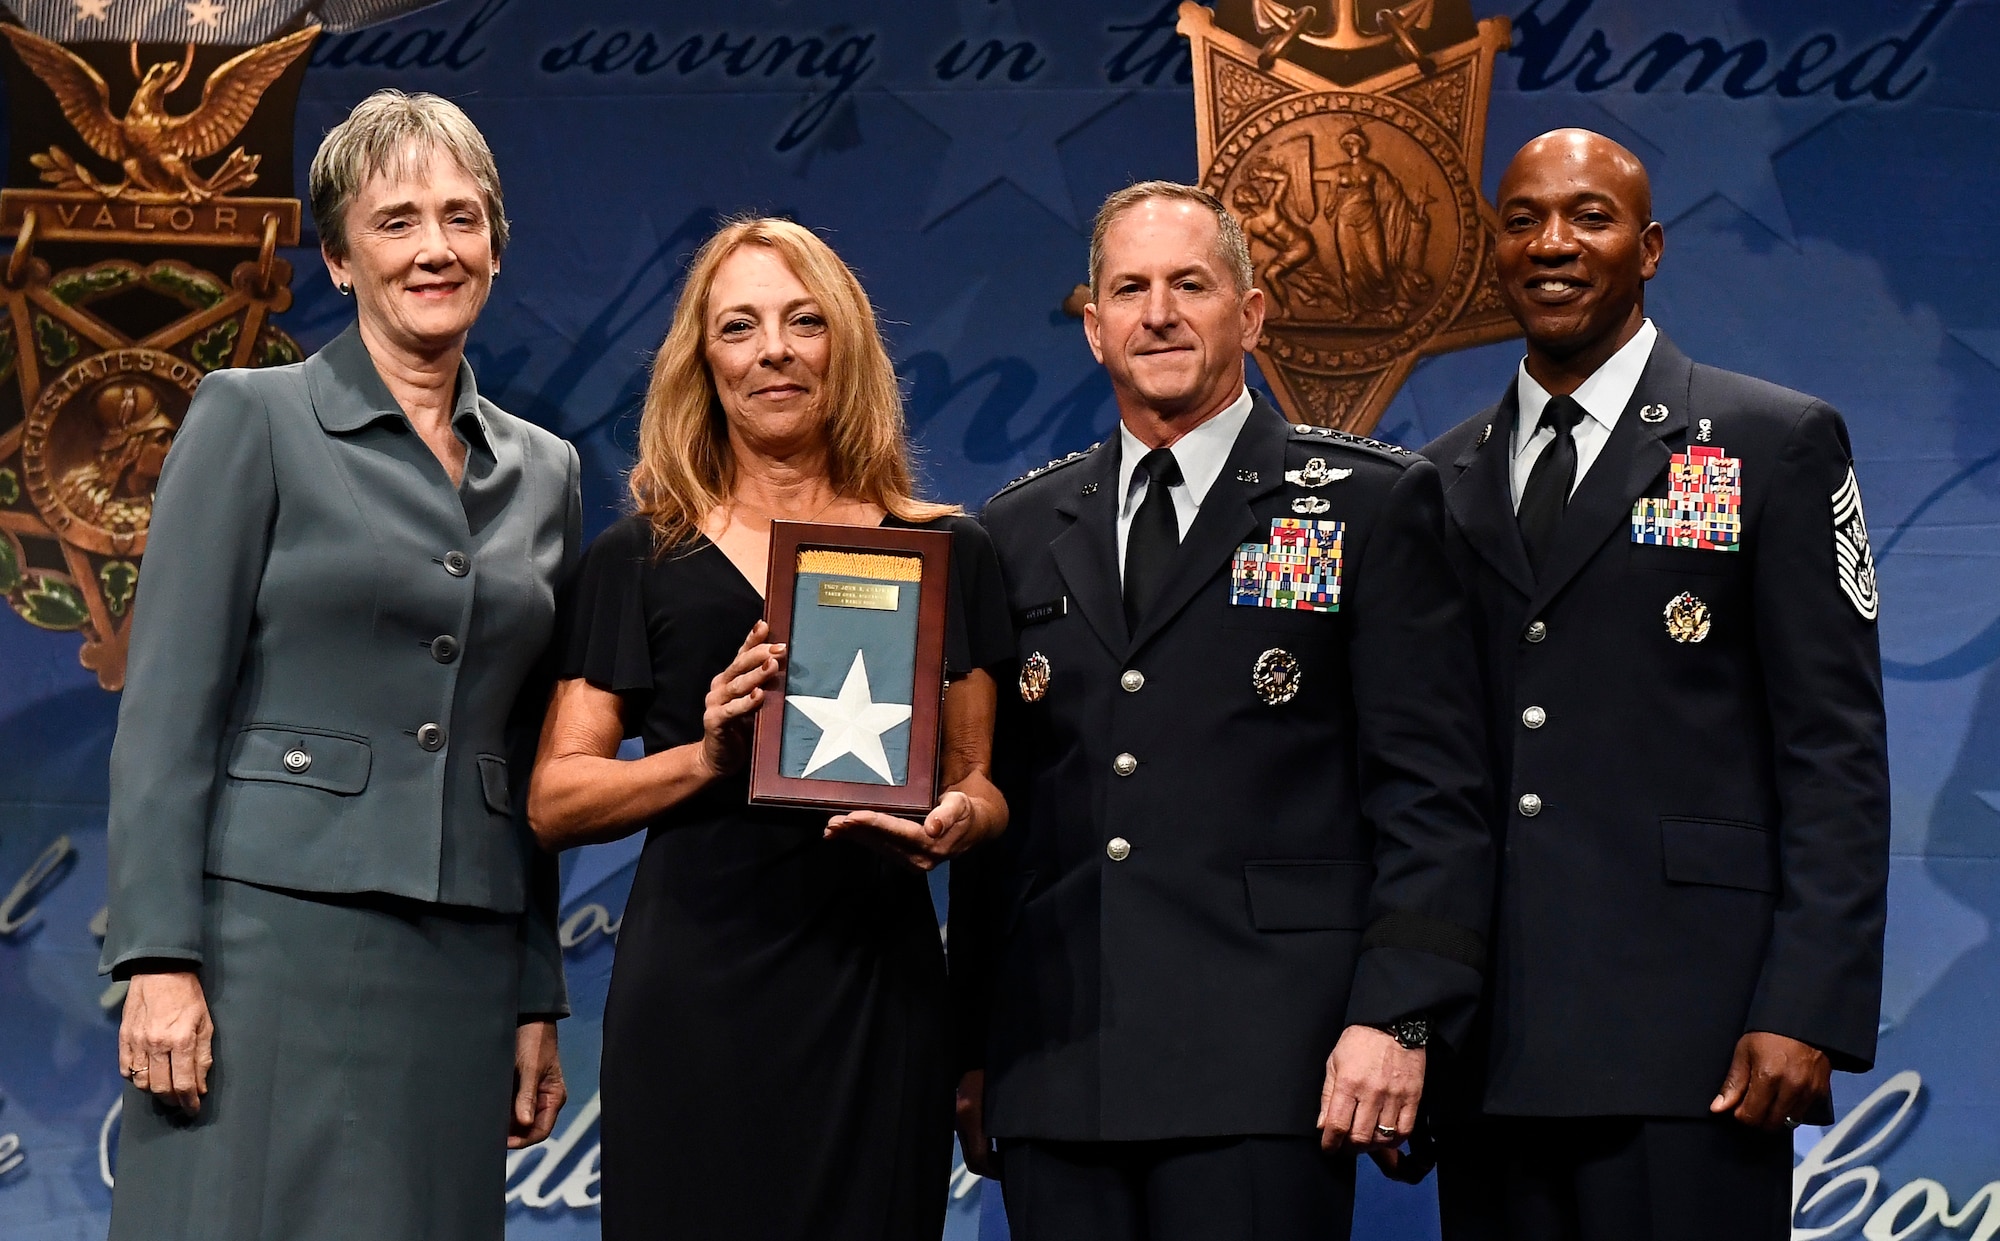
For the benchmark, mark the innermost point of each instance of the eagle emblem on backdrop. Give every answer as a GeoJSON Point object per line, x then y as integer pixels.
{"type": "Point", "coordinates": [148, 192]}
{"type": "Point", "coordinates": [1346, 137]}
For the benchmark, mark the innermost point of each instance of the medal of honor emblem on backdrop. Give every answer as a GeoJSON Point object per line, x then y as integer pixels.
{"type": "Point", "coordinates": [138, 266]}
{"type": "Point", "coordinates": [1346, 138]}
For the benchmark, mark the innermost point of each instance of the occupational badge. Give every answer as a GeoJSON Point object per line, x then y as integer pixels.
{"type": "Point", "coordinates": [1652, 413]}
{"type": "Point", "coordinates": [1310, 505]}
{"type": "Point", "coordinates": [1034, 677]}
{"type": "Point", "coordinates": [1853, 561]}
{"type": "Point", "coordinates": [1315, 473]}
{"type": "Point", "coordinates": [139, 265]}
{"type": "Point", "coordinates": [1276, 676]}
{"type": "Point", "coordinates": [1346, 136]}
{"type": "Point", "coordinates": [1687, 618]}
{"type": "Point", "coordinates": [1299, 568]}
{"type": "Point", "coordinates": [1703, 507]}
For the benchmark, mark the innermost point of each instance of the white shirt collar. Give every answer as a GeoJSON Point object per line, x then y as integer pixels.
{"type": "Point", "coordinates": [1603, 396]}
{"type": "Point", "coordinates": [1201, 453]}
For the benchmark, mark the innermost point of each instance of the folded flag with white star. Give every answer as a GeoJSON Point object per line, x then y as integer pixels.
{"type": "Point", "coordinates": [849, 676]}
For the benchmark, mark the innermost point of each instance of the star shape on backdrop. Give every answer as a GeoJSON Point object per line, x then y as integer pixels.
{"type": "Point", "coordinates": [1707, 145]}
{"type": "Point", "coordinates": [92, 10]}
{"type": "Point", "coordinates": [852, 723]}
{"type": "Point", "coordinates": [1986, 343]}
{"type": "Point", "coordinates": [205, 13]}
{"type": "Point", "coordinates": [1009, 136]}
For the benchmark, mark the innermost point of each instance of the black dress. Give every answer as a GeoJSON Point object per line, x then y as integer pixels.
{"type": "Point", "coordinates": [776, 1059]}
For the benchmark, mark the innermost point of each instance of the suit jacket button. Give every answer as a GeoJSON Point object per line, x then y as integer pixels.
{"type": "Point", "coordinates": [1534, 717]}
{"type": "Point", "coordinates": [458, 564]}
{"type": "Point", "coordinates": [1531, 805]}
{"type": "Point", "coordinates": [1537, 631]}
{"type": "Point", "coordinates": [444, 648]}
{"type": "Point", "coordinates": [431, 737]}
{"type": "Point", "coordinates": [1118, 849]}
{"type": "Point", "coordinates": [297, 761]}
{"type": "Point", "coordinates": [1133, 680]}
{"type": "Point", "coordinates": [1124, 764]}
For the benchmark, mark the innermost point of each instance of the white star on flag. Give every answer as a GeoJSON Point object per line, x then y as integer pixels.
{"type": "Point", "coordinates": [205, 13]}
{"type": "Point", "coordinates": [852, 723]}
{"type": "Point", "coordinates": [91, 10]}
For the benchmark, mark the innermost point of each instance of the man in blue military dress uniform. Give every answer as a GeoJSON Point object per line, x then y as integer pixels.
{"type": "Point", "coordinates": [1248, 868]}
{"type": "Point", "coordinates": [1677, 610]}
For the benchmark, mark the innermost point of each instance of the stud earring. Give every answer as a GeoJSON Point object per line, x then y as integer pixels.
{"type": "Point", "coordinates": [344, 289]}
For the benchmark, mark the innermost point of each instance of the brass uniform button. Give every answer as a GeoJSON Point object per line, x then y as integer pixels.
{"type": "Point", "coordinates": [1534, 717]}
{"type": "Point", "coordinates": [1133, 680]}
{"type": "Point", "coordinates": [1531, 805]}
{"type": "Point", "coordinates": [1124, 764]}
{"type": "Point", "coordinates": [1537, 631]}
{"type": "Point", "coordinates": [1118, 849]}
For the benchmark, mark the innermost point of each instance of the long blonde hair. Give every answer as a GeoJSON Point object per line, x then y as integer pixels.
{"type": "Point", "coordinates": [685, 469]}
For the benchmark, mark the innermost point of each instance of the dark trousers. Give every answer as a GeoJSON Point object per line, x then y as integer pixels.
{"type": "Point", "coordinates": [1187, 1189]}
{"type": "Point", "coordinates": [1613, 1178]}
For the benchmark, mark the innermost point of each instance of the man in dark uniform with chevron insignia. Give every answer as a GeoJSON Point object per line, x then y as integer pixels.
{"type": "Point", "coordinates": [1677, 610]}
{"type": "Point", "coordinates": [1247, 875]}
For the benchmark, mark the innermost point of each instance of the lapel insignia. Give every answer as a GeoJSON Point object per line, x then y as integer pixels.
{"type": "Point", "coordinates": [1854, 562]}
{"type": "Point", "coordinates": [1703, 507]}
{"type": "Point", "coordinates": [1090, 489]}
{"type": "Point", "coordinates": [1687, 618]}
{"type": "Point", "coordinates": [1315, 474]}
{"type": "Point", "coordinates": [1246, 476]}
{"type": "Point", "coordinates": [1298, 569]}
{"type": "Point", "coordinates": [1652, 413]}
{"type": "Point", "coordinates": [1034, 677]}
{"type": "Point", "coordinates": [1486, 433]}
{"type": "Point", "coordinates": [1310, 504]}
{"type": "Point", "coordinates": [1706, 431]}
{"type": "Point", "coordinates": [1275, 676]}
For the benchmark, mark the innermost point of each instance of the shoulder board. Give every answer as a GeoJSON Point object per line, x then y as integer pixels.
{"type": "Point", "coordinates": [1326, 435]}
{"type": "Point", "coordinates": [1052, 466]}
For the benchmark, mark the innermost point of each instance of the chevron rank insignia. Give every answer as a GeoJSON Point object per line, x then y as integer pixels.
{"type": "Point", "coordinates": [1298, 569]}
{"type": "Point", "coordinates": [1853, 561]}
{"type": "Point", "coordinates": [1703, 507]}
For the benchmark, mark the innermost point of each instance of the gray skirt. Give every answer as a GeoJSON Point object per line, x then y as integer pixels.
{"type": "Point", "coordinates": [364, 1052]}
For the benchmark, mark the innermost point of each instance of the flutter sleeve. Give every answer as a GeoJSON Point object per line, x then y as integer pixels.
{"type": "Point", "coordinates": [603, 636]}
{"type": "Point", "coordinates": [979, 631]}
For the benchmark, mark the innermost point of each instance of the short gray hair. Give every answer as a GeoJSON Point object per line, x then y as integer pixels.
{"type": "Point", "coordinates": [1229, 244]}
{"type": "Point", "coordinates": [388, 132]}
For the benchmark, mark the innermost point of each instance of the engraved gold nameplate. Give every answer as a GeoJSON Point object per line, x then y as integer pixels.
{"type": "Point", "coordinates": [878, 596]}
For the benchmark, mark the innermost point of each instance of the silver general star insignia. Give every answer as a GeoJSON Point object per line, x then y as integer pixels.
{"type": "Point", "coordinates": [1315, 474]}
{"type": "Point", "coordinates": [1687, 618]}
{"type": "Point", "coordinates": [1276, 676]}
{"type": "Point", "coordinates": [1034, 677]}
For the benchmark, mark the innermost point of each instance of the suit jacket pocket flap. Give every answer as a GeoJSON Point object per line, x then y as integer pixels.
{"type": "Point", "coordinates": [493, 780]}
{"type": "Point", "coordinates": [1308, 896]}
{"type": "Point", "coordinates": [1719, 852]}
{"type": "Point", "coordinates": [335, 762]}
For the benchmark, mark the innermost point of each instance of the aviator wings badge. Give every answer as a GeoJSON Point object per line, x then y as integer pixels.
{"type": "Point", "coordinates": [1346, 137]}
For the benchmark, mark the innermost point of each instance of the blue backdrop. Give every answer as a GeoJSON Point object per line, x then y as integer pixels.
{"type": "Point", "coordinates": [1826, 173]}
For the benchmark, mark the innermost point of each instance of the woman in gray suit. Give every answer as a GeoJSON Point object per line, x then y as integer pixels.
{"type": "Point", "coordinates": [340, 939]}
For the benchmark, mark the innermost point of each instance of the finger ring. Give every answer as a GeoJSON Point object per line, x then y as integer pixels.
{"type": "Point", "coordinates": [138, 1071]}
{"type": "Point", "coordinates": [133, 1072]}
{"type": "Point", "coordinates": [1386, 1131]}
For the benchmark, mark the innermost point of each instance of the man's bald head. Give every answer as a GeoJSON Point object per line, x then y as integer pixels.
{"type": "Point", "coordinates": [1585, 152]}
{"type": "Point", "coordinates": [1577, 245]}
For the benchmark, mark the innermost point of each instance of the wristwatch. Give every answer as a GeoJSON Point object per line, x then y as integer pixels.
{"type": "Point", "coordinates": [1414, 1033]}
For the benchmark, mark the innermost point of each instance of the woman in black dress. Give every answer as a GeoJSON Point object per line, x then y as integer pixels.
{"type": "Point", "coordinates": [775, 1051]}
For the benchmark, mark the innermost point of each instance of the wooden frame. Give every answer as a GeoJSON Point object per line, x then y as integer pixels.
{"type": "Point", "coordinates": [918, 793]}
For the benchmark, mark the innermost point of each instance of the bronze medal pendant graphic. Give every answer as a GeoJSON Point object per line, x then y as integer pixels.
{"type": "Point", "coordinates": [1346, 139]}
{"type": "Point", "coordinates": [139, 265]}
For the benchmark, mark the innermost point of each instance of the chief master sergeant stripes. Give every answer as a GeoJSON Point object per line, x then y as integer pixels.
{"type": "Point", "coordinates": [1245, 770]}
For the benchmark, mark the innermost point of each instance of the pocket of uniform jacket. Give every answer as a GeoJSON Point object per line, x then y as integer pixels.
{"type": "Point", "coordinates": [315, 758]}
{"type": "Point", "coordinates": [493, 782]}
{"type": "Point", "coordinates": [1308, 896]}
{"type": "Point", "coordinates": [1721, 853]}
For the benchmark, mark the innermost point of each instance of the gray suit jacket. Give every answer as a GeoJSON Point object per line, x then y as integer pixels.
{"type": "Point", "coordinates": [326, 649]}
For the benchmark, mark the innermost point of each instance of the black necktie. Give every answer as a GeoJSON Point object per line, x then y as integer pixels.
{"type": "Point", "coordinates": [1153, 538]}
{"type": "Point", "coordinates": [1547, 493]}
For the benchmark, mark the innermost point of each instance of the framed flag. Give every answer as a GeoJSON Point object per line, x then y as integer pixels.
{"type": "Point", "coordinates": [854, 726]}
